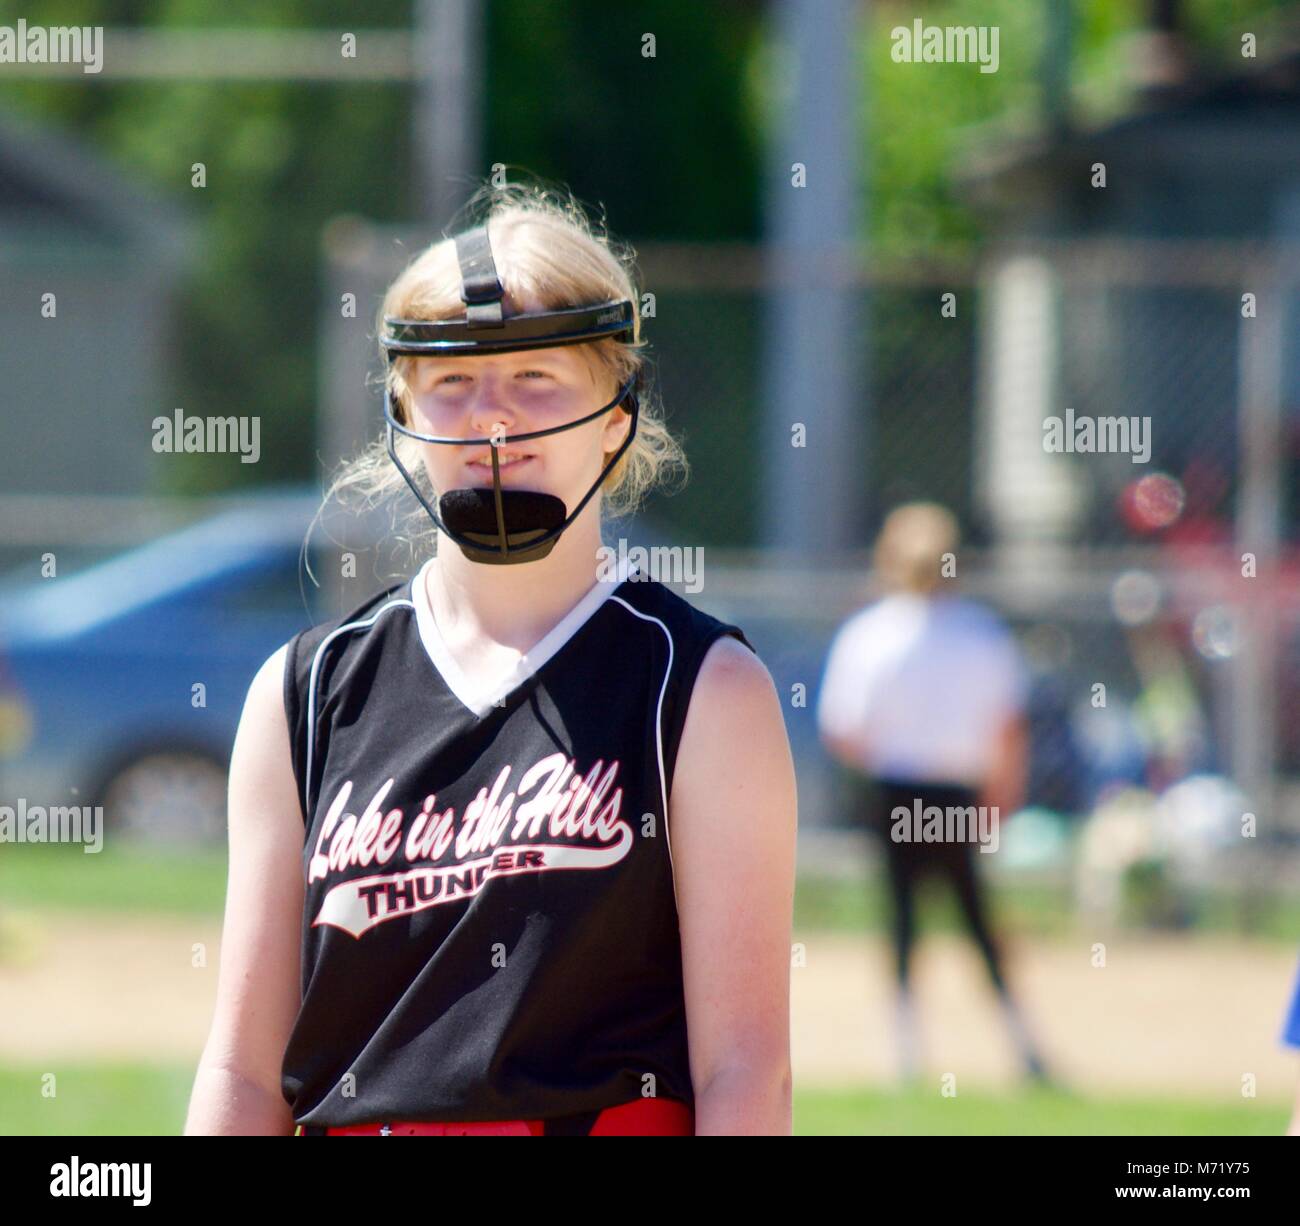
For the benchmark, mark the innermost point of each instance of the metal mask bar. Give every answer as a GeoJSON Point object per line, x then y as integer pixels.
{"type": "Point", "coordinates": [540, 329]}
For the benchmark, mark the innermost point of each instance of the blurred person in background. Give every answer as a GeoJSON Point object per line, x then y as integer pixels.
{"type": "Point", "coordinates": [924, 693]}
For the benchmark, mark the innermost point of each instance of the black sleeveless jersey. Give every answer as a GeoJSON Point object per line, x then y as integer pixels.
{"type": "Point", "coordinates": [490, 927]}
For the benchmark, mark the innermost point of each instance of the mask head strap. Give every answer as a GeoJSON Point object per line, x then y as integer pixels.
{"type": "Point", "coordinates": [481, 290]}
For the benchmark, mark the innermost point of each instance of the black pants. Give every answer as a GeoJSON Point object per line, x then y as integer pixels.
{"type": "Point", "coordinates": [908, 862]}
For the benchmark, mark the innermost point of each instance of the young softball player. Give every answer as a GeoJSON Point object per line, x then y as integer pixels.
{"type": "Point", "coordinates": [512, 842]}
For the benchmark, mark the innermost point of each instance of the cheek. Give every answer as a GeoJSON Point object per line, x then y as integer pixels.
{"type": "Point", "coordinates": [437, 457]}
{"type": "Point", "coordinates": [442, 422]}
{"type": "Point", "coordinates": [589, 450]}
{"type": "Point", "coordinates": [429, 418]}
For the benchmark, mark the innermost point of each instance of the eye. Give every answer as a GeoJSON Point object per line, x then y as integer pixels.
{"type": "Point", "coordinates": [542, 373]}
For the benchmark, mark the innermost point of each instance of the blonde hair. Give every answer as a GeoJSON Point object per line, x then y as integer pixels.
{"type": "Point", "coordinates": [546, 248]}
{"type": "Point", "coordinates": [909, 550]}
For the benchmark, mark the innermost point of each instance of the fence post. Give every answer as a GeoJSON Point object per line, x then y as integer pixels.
{"type": "Point", "coordinates": [1258, 531]}
{"type": "Point", "coordinates": [816, 329]}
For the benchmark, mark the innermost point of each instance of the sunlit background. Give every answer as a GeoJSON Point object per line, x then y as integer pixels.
{"type": "Point", "coordinates": [1107, 225]}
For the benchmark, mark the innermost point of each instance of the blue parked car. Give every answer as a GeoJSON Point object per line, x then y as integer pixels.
{"type": "Point", "coordinates": [122, 685]}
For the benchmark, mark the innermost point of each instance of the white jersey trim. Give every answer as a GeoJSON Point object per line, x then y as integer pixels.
{"type": "Point", "coordinates": [311, 687]}
{"type": "Point", "coordinates": [480, 699]}
{"type": "Point", "coordinates": [659, 731]}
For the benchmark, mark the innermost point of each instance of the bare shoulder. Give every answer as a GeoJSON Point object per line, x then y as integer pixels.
{"type": "Point", "coordinates": [261, 767]}
{"type": "Point", "coordinates": [734, 720]}
{"type": "Point", "coordinates": [264, 715]}
{"type": "Point", "coordinates": [731, 672]}
{"type": "Point", "coordinates": [269, 679]}
{"type": "Point", "coordinates": [733, 691]}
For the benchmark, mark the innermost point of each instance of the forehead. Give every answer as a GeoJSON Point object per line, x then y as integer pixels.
{"type": "Point", "coordinates": [569, 357]}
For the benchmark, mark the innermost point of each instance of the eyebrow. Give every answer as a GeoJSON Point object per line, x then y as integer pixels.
{"type": "Point", "coordinates": [525, 361]}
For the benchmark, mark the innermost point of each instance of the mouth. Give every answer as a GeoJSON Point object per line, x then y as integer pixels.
{"type": "Point", "coordinates": [508, 461]}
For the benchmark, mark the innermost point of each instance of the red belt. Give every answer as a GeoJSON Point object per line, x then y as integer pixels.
{"type": "Point", "coordinates": [638, 1118]}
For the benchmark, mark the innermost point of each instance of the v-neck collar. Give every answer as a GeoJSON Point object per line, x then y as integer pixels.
{"type": "Point", "coordinates": [480, 700]}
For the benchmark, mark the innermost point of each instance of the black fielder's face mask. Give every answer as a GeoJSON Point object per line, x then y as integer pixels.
{"type": "Point", "coordinates": [498, 525]}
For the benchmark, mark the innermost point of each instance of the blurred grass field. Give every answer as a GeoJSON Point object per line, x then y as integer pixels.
{"type": "Point", "coordinates": [143, 880]}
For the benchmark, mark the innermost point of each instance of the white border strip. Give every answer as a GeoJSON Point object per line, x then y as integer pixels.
{"type": "Point", "coordinates": [659, 731]}
{"type": "Point", "coordinates": [311, 688]}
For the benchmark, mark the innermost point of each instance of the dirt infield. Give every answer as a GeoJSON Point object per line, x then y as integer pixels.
{"type": "Point", "coordinates": [1167, 1016]}
{"type": "Point", "coordinates": [1174, 1016]}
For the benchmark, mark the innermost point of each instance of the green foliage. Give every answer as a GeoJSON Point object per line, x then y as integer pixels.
{"type": "Point", "coordinates": [664, 142]}
{"type": "Point", "coordinates": [921, 120]}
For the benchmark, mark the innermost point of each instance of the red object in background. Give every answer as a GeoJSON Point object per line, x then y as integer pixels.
{"type": "Point", "coordinates": [1205, 487]}
{"type": "Point", "coordinates": [1152, 502]}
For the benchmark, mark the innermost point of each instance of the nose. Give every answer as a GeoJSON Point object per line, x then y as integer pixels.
{"type": "Point", "coordinates": [489, 413]}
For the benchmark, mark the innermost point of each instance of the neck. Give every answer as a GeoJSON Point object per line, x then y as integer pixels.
{"type": "Point", "coordinates": [515, 605]}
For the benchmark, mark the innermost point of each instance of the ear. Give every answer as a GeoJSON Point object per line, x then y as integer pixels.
{"type": "Point", "coordinates": [616, 428]}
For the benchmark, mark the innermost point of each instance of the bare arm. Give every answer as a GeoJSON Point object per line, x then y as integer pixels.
{"type": "Point", "coordinates": [733, 825]}
{"type": "Point", "coordinates": [237, 1086]}
{"type": "Point", "coordinates": [1005, 785]}
{"type": "Point", "coordinates": [846, 750]}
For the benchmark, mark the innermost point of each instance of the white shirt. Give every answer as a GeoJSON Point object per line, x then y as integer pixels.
{"type": "Point", "coordinates": [925, 684]}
